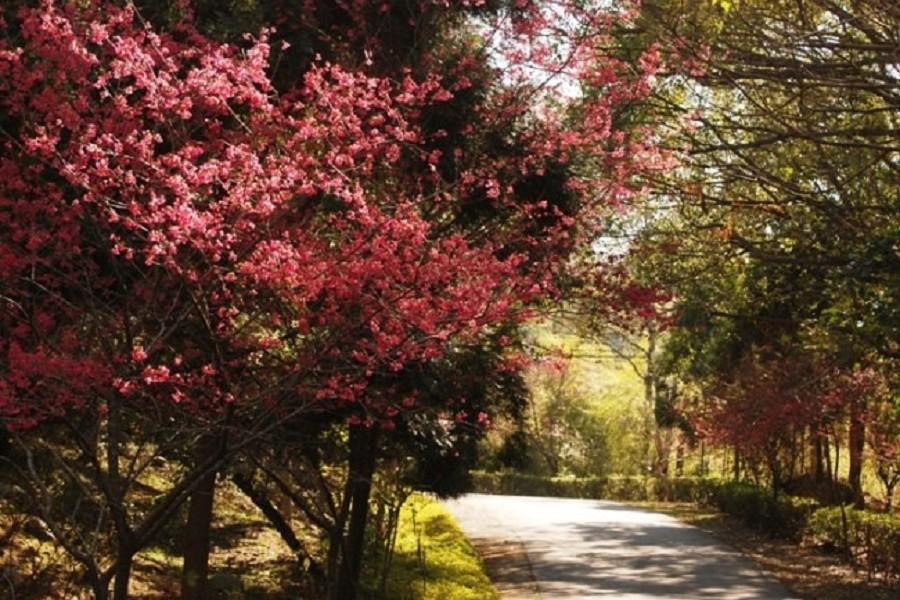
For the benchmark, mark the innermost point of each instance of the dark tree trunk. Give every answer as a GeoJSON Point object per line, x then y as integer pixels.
{"type": "Point", "coordinates": [826, 451]}
{"type": "Point", "coordinates": [197, 530]}
{"type": "Point", "coordinates": [702, 471]}
{"type": "Point", "coordinates": [836, 471]}
{"type": "Point", "coordinates": [276, 519]}
{"type": "Point", "coordinates": [857, 444]}
{"type": "Point", "coordinates": [123, 576]}
{"type": "Point", "coordinates": [100, 587]}
{"type": "Point", "coordinates": [679, 459]}
{"type": "Point", "coordinates": [115, 440]}
{"type": "Point", "coordinates": [889, 483]}
{"type": "Point", "coordinates": [362, 467]}
{"type": "Point", "coordinates": [819, 466]}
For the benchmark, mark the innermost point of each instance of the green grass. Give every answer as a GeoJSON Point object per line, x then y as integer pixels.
{"type": "Point", "coordinates": [433, 559]}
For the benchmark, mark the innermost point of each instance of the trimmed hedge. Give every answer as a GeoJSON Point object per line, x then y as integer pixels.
{"type": "Point", "coordinates": [628, 489]}
{"type": "Point", "coordinates": [869, 539]}
{"type": "Point", "coordinates": [784, 516]}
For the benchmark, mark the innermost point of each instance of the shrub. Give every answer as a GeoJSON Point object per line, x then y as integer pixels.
{"type": "Point", "coordinates": [869, 539]}
{"type": "Point", "coordinates": [783, 516]}
{"type": "Point", "coordinates": [680, 489]}
{"type": "Point", "coordinates": [517, 484]}
{"type": "Point", "coordinates": [633, 489]}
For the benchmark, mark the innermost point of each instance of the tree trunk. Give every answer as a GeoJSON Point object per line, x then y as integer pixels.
{"type": "Point", "coordinates": [662, 454]}
{"type": "Point", "coordinates": [362, 468]}
{"type": "Point", "coordinates": [100, 587]}
{"type": "Point", "coordinates": [837, 459]}
{"type": "Point", "coordinates": [679, 459]}
{"type": "Point", "coordinates": [276, 519]}
{"type": "Point", "coordinates": [197, 530]}
{"type": "Point", "coordinates": [818, 455]}
{"type": "Point", "coordinates": [335, 537]}
{"type": "Point", "coordinates": [123, 576]}
{"type": "Point", "coordinates": [114, 442]}
{"type": "Point", "coordinates": [702, 471]}
{"type": "Point", "coordinates": [889, 480]}
{"type": "Point", "coordinates": [856, 446]}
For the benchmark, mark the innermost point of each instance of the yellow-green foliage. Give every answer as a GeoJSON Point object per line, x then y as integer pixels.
{"type": "Point", "coordinates": [603, 385]}
{"type": "Point", "coordinates": [449, 567]}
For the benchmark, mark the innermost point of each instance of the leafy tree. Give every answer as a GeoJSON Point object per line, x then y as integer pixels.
{"type": "Point", "coordinates": [776, 234]}
{"type": "Point", "coordinates": [200, 251]}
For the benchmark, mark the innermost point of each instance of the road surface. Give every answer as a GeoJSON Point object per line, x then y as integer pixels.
{"type": "Point", "coordinates": [600, 549]}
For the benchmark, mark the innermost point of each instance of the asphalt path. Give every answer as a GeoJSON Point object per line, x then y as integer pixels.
{"type": "Point", "coordinates": [600, 549]}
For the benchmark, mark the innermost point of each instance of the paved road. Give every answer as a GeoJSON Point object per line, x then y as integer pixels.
{"type": "Point", "coordinates": [599, 549]}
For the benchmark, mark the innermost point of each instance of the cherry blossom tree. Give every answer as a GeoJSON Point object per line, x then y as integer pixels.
{"type": "Point", "coordinates": [883, 436]}
{"type": "Point", "coordinates": [195, 253]}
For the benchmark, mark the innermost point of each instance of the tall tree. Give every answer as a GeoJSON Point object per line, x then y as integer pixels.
{"type": "Point", "coordinates": [196, 248]}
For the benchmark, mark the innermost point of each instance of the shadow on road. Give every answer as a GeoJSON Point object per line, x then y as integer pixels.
{"type": "Point", "coordinates": [597, 549]}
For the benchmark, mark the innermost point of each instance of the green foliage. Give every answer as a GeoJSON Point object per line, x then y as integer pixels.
{"type": "Point", "coordinates": [870, 539]}
{"type": "Point", "coordinates": [782, 515]}
{"type": "Point", "coordinates": [628, 489]}
{"type": "Point", "coordinates": [782, 221]}
{"type": "Point", "coordinates": [584, 416]}
{"type": "Point", "coordinates": [433, 559]}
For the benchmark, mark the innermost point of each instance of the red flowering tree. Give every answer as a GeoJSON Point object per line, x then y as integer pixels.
{"type": "Point", "coordinates": [761, 409]}
{"type": "Point", "coordinates": [192, 256]}
{"type": "Point", "coordinates": [883, 435]}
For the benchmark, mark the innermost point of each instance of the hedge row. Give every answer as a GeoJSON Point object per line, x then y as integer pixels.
{"type": "Point", "coordinates": [629, 489]}
{"type": "Point", "coordinates": [872, 539]}
{"type": "Point", "coordinates": [785, 516]}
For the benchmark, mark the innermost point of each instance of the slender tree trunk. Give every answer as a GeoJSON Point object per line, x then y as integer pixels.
{"type": "Point", "coordinates": [116, 438]}
{"type": "Point", "coordinates": [662, 454]}
{"type": "Point", "coordinates": [197, 530]}
{"type": "Point", "coordinates": [362, 467]}
{"type": "Point", "coordinates": [123, 576]}
{"type": "Point", "coordinates": [818, 456]}
{"type": "Point", "coordinates": [679, 459]}
{"type": "Point", "coordinates": [702, 471]}
{"type": "Point", "coordinates": [856, 446]}
{"type": "Point", "coordinates": [335, 538]}
{"type": "Point", "coordinates": [837, 459]}
{"type": "Point", "coordinates": [100, 587]}
{"type": "Point", "coordinates": [804, 448]}
{"type": "Point", "coordinates": [661, 464]}
{"type": "Point", "coordinates": [826, 451]}
{"type": "Point", "coordinates": [276, 519]}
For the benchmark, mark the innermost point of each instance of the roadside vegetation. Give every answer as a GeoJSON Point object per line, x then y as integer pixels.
{"type": "Point", "coordinates": [751, 296]}
{"type": "Point", "coordinates": [803, 568]}
{"type": "Point", "coordinates": [432, 559]}
{"type": "Point", "coordinates": [270, 267]}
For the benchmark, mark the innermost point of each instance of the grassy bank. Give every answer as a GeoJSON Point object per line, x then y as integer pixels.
{"type": "Point", "coordinates": [433, 559]}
